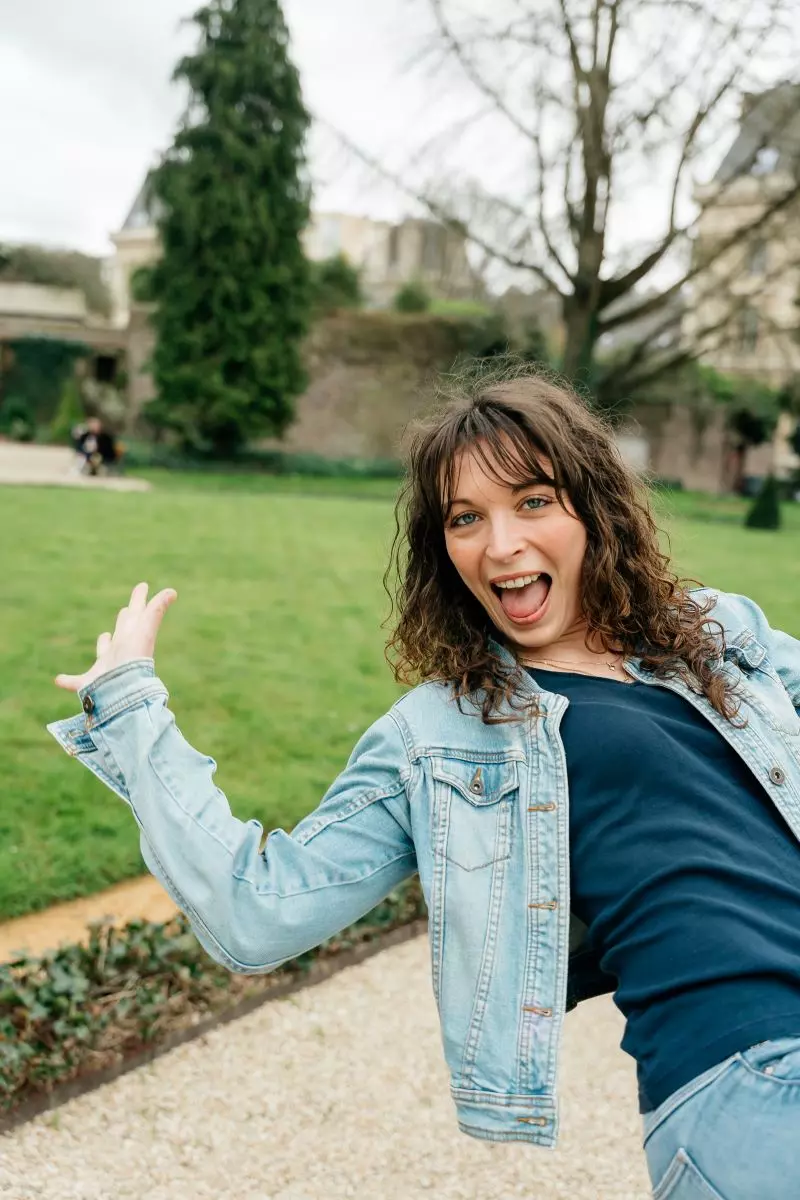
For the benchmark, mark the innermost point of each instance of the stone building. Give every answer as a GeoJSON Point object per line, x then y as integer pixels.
{"type": "Point", "coordinates": [35, 310]}
{"type": "Point", "coordinates": [743, 307]}
{"type": "Point", "coordinates": [389, 255]}
{"type": "Point", "coordinates": [386, 254]}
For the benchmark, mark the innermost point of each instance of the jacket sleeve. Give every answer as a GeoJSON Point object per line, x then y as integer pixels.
{"type": "Point", "coordinates": [251, 909]}
{"type": "Point", "coordinates": [783, 650]}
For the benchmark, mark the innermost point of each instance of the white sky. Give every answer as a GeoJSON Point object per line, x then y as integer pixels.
{"type": "Point", "coordinates": [86, 105]}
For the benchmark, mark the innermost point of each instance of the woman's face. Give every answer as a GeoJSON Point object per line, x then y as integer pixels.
{"type": "Point", "coordinates": [498, 533]}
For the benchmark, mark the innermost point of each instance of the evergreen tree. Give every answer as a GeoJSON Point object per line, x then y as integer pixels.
{"type": "Point", "coordinates": [231, 290]}
{"type": "Point", "coordinates": [765, 511]}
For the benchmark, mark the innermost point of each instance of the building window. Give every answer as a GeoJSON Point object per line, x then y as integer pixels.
{"type": "Point", "coordinates": [393, 248]}
{"type": "Point", "coordinates": [433, 243]}
{"type": "Point", "coordinates": [330, 236]}
{"type": "Point", "coordinates": [757, 257]}
{"type": "Point", "coordinates": [748, 330]}
{"type": "Point", "coordinates": [105, 368]}
{"type": "Point", "coordinates": [765, 161]}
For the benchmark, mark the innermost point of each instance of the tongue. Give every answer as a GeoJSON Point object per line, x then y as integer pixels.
{"type": "Point", "coordinates": [519, 603]}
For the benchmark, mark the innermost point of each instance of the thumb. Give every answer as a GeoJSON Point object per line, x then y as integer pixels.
{"type": "Point", "coordinates": [71, 683]}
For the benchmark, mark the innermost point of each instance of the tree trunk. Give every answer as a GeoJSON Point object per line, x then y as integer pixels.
{"type": "Point", "coordinates": [737, 459]}
{"type": "Point", "coordinates": [580, 325]}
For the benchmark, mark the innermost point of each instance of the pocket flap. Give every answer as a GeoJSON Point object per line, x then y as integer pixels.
{"type": "Point", "coordinates": [478, 782]}
{"type": "Point", "coordinates": [746, 648]}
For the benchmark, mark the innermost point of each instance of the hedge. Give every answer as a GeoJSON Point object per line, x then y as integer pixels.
{"type": "Point", "coordinates": [140, 455]}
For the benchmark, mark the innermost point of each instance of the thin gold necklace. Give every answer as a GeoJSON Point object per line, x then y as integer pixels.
{"type": "Point", "coordinates": [554, 662]}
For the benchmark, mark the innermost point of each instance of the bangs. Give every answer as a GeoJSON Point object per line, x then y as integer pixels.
{"type": "Point", "coordinates": [511, 454]}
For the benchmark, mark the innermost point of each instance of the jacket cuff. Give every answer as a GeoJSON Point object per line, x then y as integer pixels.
{"type": "Point", "coordinates": [120, 689]}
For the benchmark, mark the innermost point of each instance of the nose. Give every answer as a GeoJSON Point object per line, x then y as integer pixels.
{"type": "Point", "coordinates": [506, 539]}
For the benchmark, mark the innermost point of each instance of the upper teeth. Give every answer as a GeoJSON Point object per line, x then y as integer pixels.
{"type": "Point", "coordinates": [522, 581]}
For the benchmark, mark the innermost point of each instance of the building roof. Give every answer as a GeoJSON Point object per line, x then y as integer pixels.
{"type": "Point", "coordinates": [144, 212]}
{"type": "Point", "coordinates": [769, 135]}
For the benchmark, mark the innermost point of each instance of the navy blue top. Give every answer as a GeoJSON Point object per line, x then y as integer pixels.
{"type": "Point", "coordinates": [686, 875]}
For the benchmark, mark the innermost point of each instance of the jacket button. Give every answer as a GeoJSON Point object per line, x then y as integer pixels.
{"type": "Point", "coordinates": [476, 784]}
{"type": "Point", "coordinates": [88, 705]}
{"type": "Point", "coordinates": [777, 775]}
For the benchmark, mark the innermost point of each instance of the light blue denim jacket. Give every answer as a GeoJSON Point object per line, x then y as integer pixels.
{"type": "Point", "coordinates": [480, 811]}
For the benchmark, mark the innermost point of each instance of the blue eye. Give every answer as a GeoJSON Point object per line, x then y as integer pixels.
{"type": "Point", "coordinates": [459, 521]}
{"type": "Point", "coordinates": [539, 501]}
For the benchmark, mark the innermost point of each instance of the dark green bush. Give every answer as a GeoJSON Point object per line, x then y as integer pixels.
{"type": "Point", "coordinates": [17, 420]}
{"type": "Point", "coordinates": [38, 370]}
{"type": "Point", "coordinates": [413, 297]}
{"type": "Point", "coordinates": [765, 511]}
{"type": "Point", "coordinates": [335, 284]}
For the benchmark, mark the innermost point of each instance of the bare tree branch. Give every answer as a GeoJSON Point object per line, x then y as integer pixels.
{"type": "Point", "coordinates": [440, 213]}
{"type": "Point", "coordinates": [595, 92]}
{"type": "Point", "coordinates": [738, 236]}
{"type": "Point", "coordinates": [622, 374]}
{"type": "Point", "coordinates": [472, 72]}
{"type": "Point", "coordinates": [542, 220]}
{"type": "Point", "coordinates": [622, 284]}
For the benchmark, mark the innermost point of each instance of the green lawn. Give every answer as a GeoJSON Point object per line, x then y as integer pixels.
{"type": "Point", "coordinates": [710, 543]}
{"type": "Point", "coordinates": [261, 482]}
{"type": "Point", "coordinates": [273, 654]}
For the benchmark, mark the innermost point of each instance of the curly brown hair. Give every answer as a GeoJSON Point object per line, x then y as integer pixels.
{"type": "Point", "coordinates": [513, 418]}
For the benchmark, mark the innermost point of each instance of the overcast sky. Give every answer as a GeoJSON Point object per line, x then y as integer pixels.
{"type": "Point", "coordinates": [86, 106]}
{"type": "Point", "coordinates": [86, 103]}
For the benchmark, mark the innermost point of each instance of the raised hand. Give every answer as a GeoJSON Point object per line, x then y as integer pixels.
{"type": "Point", "coordinates": [134, 636]}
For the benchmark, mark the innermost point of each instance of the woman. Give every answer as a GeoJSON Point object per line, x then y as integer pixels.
{"type": "Point", "coordinates": [598, 781]}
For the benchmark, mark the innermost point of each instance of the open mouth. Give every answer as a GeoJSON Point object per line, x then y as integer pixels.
{"type": "Point", "coordinates": [524, 599]}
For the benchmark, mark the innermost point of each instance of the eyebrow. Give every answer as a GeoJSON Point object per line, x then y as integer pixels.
{"type": "Point", "coordinates": [515, 488]}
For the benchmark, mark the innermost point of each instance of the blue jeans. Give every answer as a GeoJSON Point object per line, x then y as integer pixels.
{"type": "Point", "coordinates": [733, 1133]}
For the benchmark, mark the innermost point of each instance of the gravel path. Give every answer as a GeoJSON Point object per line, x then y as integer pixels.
{"type": "Point", "coordinates": [28, 464]}
{"type": "Point", "coordinates": [337, 1091]}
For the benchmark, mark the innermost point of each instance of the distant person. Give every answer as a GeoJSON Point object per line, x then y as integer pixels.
{"type": "Point", "coordinates": [597, 779]}
{"type": "Point", "coordinates": [95, 447]}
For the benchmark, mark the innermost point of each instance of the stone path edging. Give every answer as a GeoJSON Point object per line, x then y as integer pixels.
{"type": "Point", "coordinates": [142, 897]}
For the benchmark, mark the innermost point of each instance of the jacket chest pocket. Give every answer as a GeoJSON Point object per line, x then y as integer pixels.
{"type": "Point", "coordinates": [473, 811]}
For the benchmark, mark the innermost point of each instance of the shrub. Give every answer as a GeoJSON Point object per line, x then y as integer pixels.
{"type": "Point", "coordinates": [765, 511]}
{"type": "Point", "coordinates": [39, 368]}
{"type": "Point", "coordinates": [413, 297]}
{"type": "Point", "coordinates": [335, 284]}
{"type": "Point", "coordinates": [70, 412]}
{"type": "Point", "coordinates": [17, 419]}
